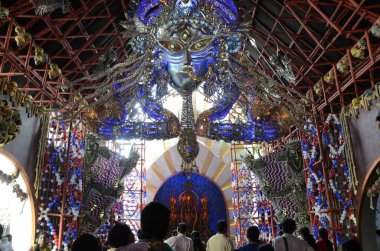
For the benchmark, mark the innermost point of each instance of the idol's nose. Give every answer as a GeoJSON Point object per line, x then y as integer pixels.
{"type": "Point", "coordinates": [187, 58]}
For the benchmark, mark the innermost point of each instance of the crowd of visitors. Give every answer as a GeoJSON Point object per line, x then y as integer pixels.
{"type": "Point", "coordinates": [154, 227]}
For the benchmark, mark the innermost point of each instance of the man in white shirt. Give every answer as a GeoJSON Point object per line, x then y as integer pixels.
{"type": "Point", "coordinates": [181, 242]}
{"type": "Point", "coordinates": [5, 245]}
{"type": "Point", "coordinates": [289, 242]}
{"type": "Point", "coordinates": [220, 241]}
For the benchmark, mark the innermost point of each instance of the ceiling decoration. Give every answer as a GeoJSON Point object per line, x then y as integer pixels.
{"type": "Point", "coordinates": [307, 41]}
{"type": "Point", "coordinates": [190, 46]}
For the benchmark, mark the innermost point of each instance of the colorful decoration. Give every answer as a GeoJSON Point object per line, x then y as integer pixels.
{"type": "Point", "coordinates": [359, 50]}
{"type": "Point", "coordinates": [4, 12]}
{"type": "Point", "coordinates": [22, 36]}
{"type": "Point", "coordinates": [362, 102]}
{"type": "Point", "coordinates": [18, 97]}
{"type": "Point", "coordinates": [318, 89]}
{"type": "Point", "coordinates": [187, 45]}
{"type": "Point", "coordinates": [194, 200]}
{"type": "Point", "coordinates": [329, 78]}
{"type": "Point", "coordinates": [339, 181]}
{"type": "Point", "coordinates": [343, 66]}
{"type": "Point", "coordinates": [105, 171]}
{"type": "Point", "coordinates": [62, 169]}
{"type": "Point", "coordinates": [282, 66]}
{"type": "Point", "coordinates": [40, 56]}
{"type": "Point", "coordinates": [10, 122]}
{"type": "Point", "coordinates": [282, 181]}
{"type": "Point", "coordinates": [375, 29]}
{"type": "Point", "coordinates": [251, 207]}
{"type": "Point", "coordinates": [54, 71]}
{"type": "Point", "coordinates": [46, 6]}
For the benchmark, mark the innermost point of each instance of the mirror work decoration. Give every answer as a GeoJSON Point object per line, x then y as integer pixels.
{"type": "Point", "coordinates": [106, 171]}
{"type": "Point", "coordinates": [188, 45]}
{"type": "Point", "coordinates": [282, 181]}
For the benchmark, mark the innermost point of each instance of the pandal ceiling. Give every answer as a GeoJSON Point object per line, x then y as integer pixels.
{"type": "Point", "coordinates": [188, 44]}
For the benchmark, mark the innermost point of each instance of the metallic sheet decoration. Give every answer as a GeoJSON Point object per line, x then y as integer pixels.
{"type": "Point", "coordinates": [46, 6]}
{"type": "Point", "coordinates": [188, 45]}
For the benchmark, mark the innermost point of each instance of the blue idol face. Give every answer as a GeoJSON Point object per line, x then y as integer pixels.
{"type": "Point", "coordinates": [189, 56]}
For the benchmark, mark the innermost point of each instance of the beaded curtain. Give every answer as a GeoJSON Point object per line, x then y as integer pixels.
{"type": "Point", "coordinates": [249, 204]}
{"type": "Point", "coordinates": [329, 183]}
{"type": "Point", "coordinates": [60, 190]}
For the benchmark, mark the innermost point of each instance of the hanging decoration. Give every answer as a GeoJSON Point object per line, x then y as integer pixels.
{"type": "Point", "coordinates": [22, 36]}
{"type": "Point", "coordinates": [10, 122]}
{"type": "Point", "coordinates": [282, 182]}
{"type": "Point", "coordinates": [54, 71]}
{"type": "Point", "coordinates": [186, 45]}
{"type": "Point", "coordinates": [315, 180]}
{"type": "Point", "coordinates": [8, 179]}
{"type": "Point", "coordinates": [18, 98]}
{"type": "Point", "coordinates": [282, 66]}
{"type": "Point", "coordinates": [359, 50]}
{"type": "Point", "coordinates": [40, 56]}
{"type": "Point", "coordinates": [46, 6]}
{"type": "Point", "coordinates": [61, 170]}
{"type": "Point", "coordinates": [329, 77]}
{"type": "Point", "coordinates": [375, 29]}
{"type": "Point", "coordinates": [340, 181]}
{"type": "Point", "coordinates": [374, 189]}
{"type": "Point", "coordinates": [343, 66]}
{"type": "Point", "coordinates": [105, 173]}
{"type": "Point", "coordinates": [251, 207]}
{"type": "Point", "coordinates": [4, 12]}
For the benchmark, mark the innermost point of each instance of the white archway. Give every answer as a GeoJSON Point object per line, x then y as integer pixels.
{"type": "Point", "coordinates": [16, 217]}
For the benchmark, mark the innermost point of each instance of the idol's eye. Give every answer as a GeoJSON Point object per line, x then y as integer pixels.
{"type": "Point", "coordinates": [172, 46]}
{"type": "Point", "coordinates": [200, 44]}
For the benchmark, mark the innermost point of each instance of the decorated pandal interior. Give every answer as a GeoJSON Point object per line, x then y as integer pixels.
{"type": "Point", "coordinates": [251, 112]}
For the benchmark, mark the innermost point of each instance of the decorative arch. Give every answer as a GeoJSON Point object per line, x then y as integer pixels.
{"type": "Point", "coordinates": [200, 187]}
{"type": "Point", "coordinates": [31, 200]}
{"type": "Point", "coordinates": [366, 216]}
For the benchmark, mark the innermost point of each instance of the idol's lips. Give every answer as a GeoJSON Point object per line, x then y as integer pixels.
{"type": "Point", "coordinates": [186, 69]}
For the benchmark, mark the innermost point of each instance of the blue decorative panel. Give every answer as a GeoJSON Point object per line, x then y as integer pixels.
{"type": "Point", "coordinates": [202, 186]}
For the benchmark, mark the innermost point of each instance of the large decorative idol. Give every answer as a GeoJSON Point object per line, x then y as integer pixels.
{"type": "Point", "coordinates": [190, 45]}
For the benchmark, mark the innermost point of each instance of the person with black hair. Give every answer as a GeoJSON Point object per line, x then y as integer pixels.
{"type": "Point", "coordinates": [87, 242]}
{"type": "Point", "coordinates": [351, 245]}
{"type": "Point", "coordinates": [253, 234]}
{"type": "Point", "coordinates": [306, 236]}
{"type": "Point", "coordinates": [181, 242]}
{"type": "Point", "coordinates": [323, 243]}
{"type": "Point", "coordinates": [155, 224]}
{"type": "Point", "coordinates": [289, 242]}
{"type": "Point", "coordinates": [4, 242]}
{"type": "Point", "coordinates": [141, 236]}
{"type": "Point", "coordinates": [198, 244]}
{"type": "Point", "coordinates": [265, 247]}
{"type": "Point", "coordinates": [120, 235]}
{"type": "Point", "coordinates": [220, 241]}
{"type": "Point", "coordinates": [42, 242]}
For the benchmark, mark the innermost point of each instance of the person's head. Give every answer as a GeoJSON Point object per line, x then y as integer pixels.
{"type": "Point", "coordinates": [42, 239]}
{"type": "Point", "coordinates": [175, 232]}
{"type": "Point", "coordinates": [265, 247]}
{"type": "Point", "coordinates": [253, 233]}
{"type": "Point", "coordinates": [289, 226]}
{"type": "Point", "coordinates": [87, 242]}
{"type": "Point", "coordinates": [195, 235]}
{"type": "Point", "coordinates": [222, 227]}
{"type": "Point", "coordinates": [155, 221]}
{"type": "Point", "coordinates": [140, 234]}
{"type": "Point", "coordinates": [120, 235]}
{"type": "Point", "coordinates": [323, 233]}
{"type": "Point", "coordinates": [351, 245]}
{"type": "Point", "coordinates": [9, 237]}
{"type": "Point", "coordinates": [182, 228]}
{"type": "Point", "coordinates": [304, 231]}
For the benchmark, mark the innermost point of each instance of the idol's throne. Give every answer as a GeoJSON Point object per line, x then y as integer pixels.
{"type": "Point", "coordinates": [192, 211]}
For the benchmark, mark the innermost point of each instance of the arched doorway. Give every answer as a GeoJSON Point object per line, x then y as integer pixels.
{"type": "Point", "coordinates": [195, 200]}
{"type": "Point", "coordinates": [16, 216]}
{"type": "Point", "coordinates": [370, 218]}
